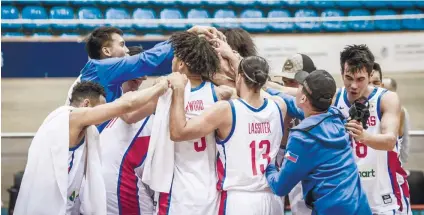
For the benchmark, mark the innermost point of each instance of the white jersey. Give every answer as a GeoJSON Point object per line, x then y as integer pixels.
{"type": "Point", "coordinates": [252, 144]}
{"type": "Point", "coordinates": [377, 168]}
{"type": "Point", "coordinates": [124, 148]}
{"type": "Point", "coordinates": [76, 168]}
{"type": "Point", "coordinates": [193, 188]}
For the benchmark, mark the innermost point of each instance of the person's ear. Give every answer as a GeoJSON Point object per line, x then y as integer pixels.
{"type": "Point", "coordinates": [85, 103]}
{"type": "Point", "coordinates": [106, 51]}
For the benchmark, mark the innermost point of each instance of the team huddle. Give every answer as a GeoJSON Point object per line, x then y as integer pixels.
{"type": "Point", "coordinates": [215, 136]}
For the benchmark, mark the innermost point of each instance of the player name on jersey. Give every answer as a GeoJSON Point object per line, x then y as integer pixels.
{"type": "Point", "coordinates": [259, 128]}
{"type": "Point", "coordinates": [196, 105]}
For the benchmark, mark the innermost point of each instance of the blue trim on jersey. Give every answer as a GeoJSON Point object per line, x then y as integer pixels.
{"type": "Point", "coordinates": [71, 164]}
{"type": "Point", "coordinates": [339, 92]}
{"type": "Point", "coordinates": [379, 105]}
{"type": "Point", "coordinates": [406, 202]}
{"type": "Point", "coordinates": [281, 117]}
{"type": "Point", "coordinates": [198, 87]}
{"type": "Point", "coordinates": [225, 173]}
{"type": "Point", "coordinates": [215, 98]}
{"type": "Point", "coordinates": [253, 108]}
{"type": "Point", "coordinates": [233, 126]}
{"type": "Point", "coordinates": [170, 196]}
{"type": "Point", "coordinates": [77, 146]}
{"type": "Point", "coordinates": [374, 91]}
{"type": "Point", "coordinates": [122, 161]}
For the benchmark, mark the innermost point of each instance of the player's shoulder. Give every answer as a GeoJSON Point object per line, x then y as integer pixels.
{"type": "Point", "coordinates": [281, 104]}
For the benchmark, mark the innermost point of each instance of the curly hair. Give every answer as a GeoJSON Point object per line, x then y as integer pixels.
{"type": "Point", "coordinates": [357, 57]}
{"type": "Point", "coordinates": [196, 52]}
{"type": "Point", "coordinates": [86, 89]}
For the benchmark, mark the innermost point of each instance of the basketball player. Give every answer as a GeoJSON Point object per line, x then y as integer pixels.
{"type": "Point", "coordinates": [373, 147]}
{"type": "Point", "coordinates": [330, 178]}
{"type": "Point", "coordinates": [193, 189]}
{"type": "Point", "coordinates": [46, 170]}
{"type": "Point", "coordinates": [376, 76]}
{"type": "Point", "coordinates": [390, 84]}
{"type": "Point", "coordinates": [125, 141]}
{"type": "Point", "coordinates": [248, 131]}
{"type": "Point", "coordinates": [110, 65]}
{"type": "Point", "coordinates": [403, 146]}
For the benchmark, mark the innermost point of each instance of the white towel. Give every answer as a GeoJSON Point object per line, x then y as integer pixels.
{"type": "Point", "coordinates": [45, 182]}
{"type": "Point", "coordinates": [93, 201]}
{"type": "Point", "coordinates": [159, 164]}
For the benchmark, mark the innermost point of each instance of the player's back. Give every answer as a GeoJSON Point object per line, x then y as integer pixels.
{"type": "Point", "coordinates": [244, 155]}
{"type": "Point", "coordinates": [377, 168]}
{"type": "Point", "coordinates": [253, 142]}
{"type": "Point", "coordinates": [124, 148]}
{"type": "Point", "coordinates": [193, 188]}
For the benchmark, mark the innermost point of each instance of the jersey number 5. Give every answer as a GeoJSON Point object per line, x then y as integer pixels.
{"type": "Point", "coordinates": [200, 147]}
{"type": "Point", "coordinates": [262, 144]}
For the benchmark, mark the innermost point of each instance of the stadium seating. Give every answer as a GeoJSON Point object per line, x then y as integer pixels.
{"type": "Point", "coordinates": [253, 27]}
{"type": "Point", "coordinates": [10, 12]}
{"type": "Point", "coordinates": [333, 25]}
{"type": "Point", "coordinates": [348, 4]}
{"type": "Point", "coordinates": [198, 14]}
{"type": "Point", "coordinates": [280, 26]}
{"type": "Point", "coordinates": [387, 25]}
{"type": "Point", "coordinates": [413, 24]}
{"type": "Point", "coordinates": [140, 13]}
{"type": "Point", "coordinates": [65, 13]}
{"type": "Point", "coordinates": [172, 14]}
{"type": "Point", "coordinates": [118, 13]}
{"type": "Point", "coordinates": [307, 26]}
{"type": "Point", "coordinates": [89, 13]}
{"type": "Point", "coordinates": [200, 9]}
{"type": "Point", "coordinates": [360, 25]}
{"type": "Point", "coordinates": [34, 12]}
{"type": "Point", "coordinates": [225, 13]}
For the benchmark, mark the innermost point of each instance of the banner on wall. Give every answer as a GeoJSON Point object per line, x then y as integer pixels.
{"type": "Point", "coordinates": [395, 52]}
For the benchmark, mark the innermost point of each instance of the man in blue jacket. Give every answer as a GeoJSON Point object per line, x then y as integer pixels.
{"type": "Point", "coordinates": [319, 153]}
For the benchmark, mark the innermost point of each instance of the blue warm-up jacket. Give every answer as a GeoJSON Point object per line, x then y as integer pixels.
{"type": "Point", "coordinates": [319, 154]}
{"type": "Point", "coordinates": [112, 72]}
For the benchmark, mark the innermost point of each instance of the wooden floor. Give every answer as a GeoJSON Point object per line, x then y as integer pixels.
{"type": "Point", "coordinates": [26, 102]}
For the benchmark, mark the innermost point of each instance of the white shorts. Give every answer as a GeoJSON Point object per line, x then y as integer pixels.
{"type": "Point", "coordinates": [297, 203]}
{"type": "Point", "coordinates": [251, 203]}
{"type": "Point", "coordinates": [168, 204]}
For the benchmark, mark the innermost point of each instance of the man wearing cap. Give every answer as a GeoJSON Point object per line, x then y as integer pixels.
{"type": "Point", "coordinates": [319, 154]}
{"type": "Point", "coordinates": [294, 64]}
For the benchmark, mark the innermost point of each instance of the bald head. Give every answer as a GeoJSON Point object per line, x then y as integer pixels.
{"type": "Point", "coordinates": [390, 84]}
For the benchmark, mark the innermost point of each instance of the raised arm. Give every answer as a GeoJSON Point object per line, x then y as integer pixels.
{"type": "Point", "coordinates": [294, 168]}
{"type": "Point", "coordinates": [390, 116]}
{"type": "Point", "coordinates": [224, 92]}
{"type": "Point", "coordinates": [119, 70]}
{"type": "Point", "coordinates": [197, 127]}
{"type": "Point", "coordinates": [82, 117]}
{"type": "Point", "coordinates": [292, 109]}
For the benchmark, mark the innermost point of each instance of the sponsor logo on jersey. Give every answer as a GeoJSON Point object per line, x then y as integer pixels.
{"type": "Point", "coordinates": [367, 173]}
